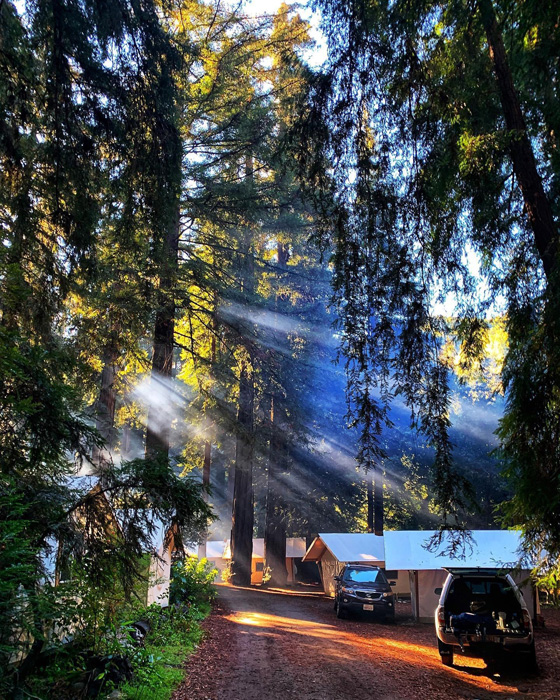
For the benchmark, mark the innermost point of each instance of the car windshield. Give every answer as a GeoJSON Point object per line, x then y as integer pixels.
{"type": "Point", "coordinates": [364, 576]}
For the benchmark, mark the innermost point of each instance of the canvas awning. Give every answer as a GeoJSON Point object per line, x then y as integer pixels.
{"type": "Point", "coordinates": [347, 547]}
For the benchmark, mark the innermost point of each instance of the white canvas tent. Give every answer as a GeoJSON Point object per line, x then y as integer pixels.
{"type": "Point", "coordinates": [486, 549]}
{"type": "Point", "coordinates": [215, 554]}
{"type": "Point", "coordinates": [295, 549]}
{"type": "Point", "coordinates": [332, 551]}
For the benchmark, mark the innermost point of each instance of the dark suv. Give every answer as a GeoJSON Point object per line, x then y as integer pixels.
{"type": "Point", "coordinates": [363, 589]}
{"type": "Point", "coordinates": [482, 613]}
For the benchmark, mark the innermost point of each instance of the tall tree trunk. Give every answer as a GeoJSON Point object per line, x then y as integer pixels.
{"type": "Point", "coordinates": [242, 506]}
{"type": "Point", "coordinates": [536, 202]}
{"type": "Point", "coordinates": [242, 510]}
{"type": "Point", "coordinates": [275, 525]}
{"type": "Point", "coordinates": [157, 434]}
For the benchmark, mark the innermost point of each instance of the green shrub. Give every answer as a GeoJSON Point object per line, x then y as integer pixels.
{"type": "Point", "coordinates": [192, 581]}
{"type": "Point", "coordinates": [174, 633]}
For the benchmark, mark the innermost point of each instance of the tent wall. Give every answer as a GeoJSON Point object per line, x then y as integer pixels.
{"type": "Point", "coordinates": [427, 599]}
{"type": "Point", "coordinates": [160, 575]}
{"type": "Point", "coordinates": [522, 579]}
{"type": "Point", "coordinates": [402, 589]}
{"type": "Point", "coordinates": [329, 567]}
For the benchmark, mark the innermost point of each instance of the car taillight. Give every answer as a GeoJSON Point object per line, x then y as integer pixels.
{"type": "Point", "coordinates": [526, 619]}
{"type": "Point", "coordinates": [441, 616]}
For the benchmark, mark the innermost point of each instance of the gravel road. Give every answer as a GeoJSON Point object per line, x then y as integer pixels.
{"type": "Point", "coordinates": [272, 645]}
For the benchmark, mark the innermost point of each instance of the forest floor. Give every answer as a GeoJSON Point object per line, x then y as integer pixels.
{"type": "Point", "coordinates": [275, 644]}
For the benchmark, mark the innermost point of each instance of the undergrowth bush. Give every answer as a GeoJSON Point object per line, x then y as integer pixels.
{"type": "Point", "coordinates": [192, 581]}
{"type": "Point", "coordinates": [175, 632]}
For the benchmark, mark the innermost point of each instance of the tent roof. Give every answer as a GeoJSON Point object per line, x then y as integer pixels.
{"type": "Point", "coordinates": [345, 547]}
{"type": "Point", "coordinates": [488, 549]}
{"type": "Point", "coordinates": [295, 547]}
{"type": "Point", "coordinates": [215, 549]}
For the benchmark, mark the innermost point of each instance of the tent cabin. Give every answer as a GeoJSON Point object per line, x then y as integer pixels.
{"type": "Point", "coordinates": [295, 550]}
{"type": "Point", "coordinates": [214, 551]}
{"type": "Point", "coordinates": [331, 551]}
{"type": "Point", "coordinates": [408, 550]}
{"type": "Point", "coordinates": [215, 554]}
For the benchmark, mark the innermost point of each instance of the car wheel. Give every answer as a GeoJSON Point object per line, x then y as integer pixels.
{"type": "Point", "coordinates": [341, 611]}
{"type": "Point", "coordinates": [390, 618]}
{"type": "Point", "coordinates": [531, 663]}
{"type": "Point", "coordinates": [446, 653]}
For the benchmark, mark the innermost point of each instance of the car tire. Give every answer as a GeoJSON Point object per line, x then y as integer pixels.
{"type": "Point", "coordinates": [446, 653]}
{"type": "Point", "coordinates": [341, 611]}
{"type": "Point", "coordinates": [531, 663]}
{"type": "Point", "coordinates": [389, 618]}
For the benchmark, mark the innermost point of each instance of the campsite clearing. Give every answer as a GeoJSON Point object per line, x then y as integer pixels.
{"type": "Point", "coordinates": [270, 644]}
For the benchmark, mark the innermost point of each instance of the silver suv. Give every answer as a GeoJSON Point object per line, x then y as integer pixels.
{"type": "Point", "coordinates": [482, 613]}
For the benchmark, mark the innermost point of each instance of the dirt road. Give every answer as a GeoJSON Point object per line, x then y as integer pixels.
{"type": "Point", "coordinates": [271, 645]}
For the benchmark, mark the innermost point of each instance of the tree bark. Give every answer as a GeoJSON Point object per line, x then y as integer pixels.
{"type": "Point", "coordinates": [538, 207]}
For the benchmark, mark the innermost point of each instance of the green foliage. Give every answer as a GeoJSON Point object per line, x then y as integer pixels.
{"type": "Point", "coordinates": [192, 581]}
{"type": "Point", "coordinates": [174, 634]}
{"type": "Point", "coordinates": [157, 665]}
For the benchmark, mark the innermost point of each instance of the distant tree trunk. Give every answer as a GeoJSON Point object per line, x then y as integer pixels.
{"type": "Point", "coordinates": [275, 525]}
{"type": "Point", "coordinates": [536, 202]}
{"type": "Point", "coordinates": [378, 502]}
{"type": "Point", "coordinates": [370, 518]}
{"type": "Point", "coordinates": [158, 433]}
{"type": "Point", "coordinates": [242, 510]}
{"type": "Point", "coordinates": [207, 443]}
{"type": "Point", "coordinates": [374, 481]}
{"type": "Point", "coordinates": [206, 483]}
{"type": "Point", "coordinates": [105, 407]}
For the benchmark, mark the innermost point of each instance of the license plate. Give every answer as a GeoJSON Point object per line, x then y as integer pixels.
{"type": "Point", "coordinates": [368, 607]}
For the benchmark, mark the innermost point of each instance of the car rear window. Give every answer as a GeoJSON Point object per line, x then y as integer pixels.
{"type": "Point", "coordinates": [483, 586]}
{"type": "Point", "coordinates": [365, 576]}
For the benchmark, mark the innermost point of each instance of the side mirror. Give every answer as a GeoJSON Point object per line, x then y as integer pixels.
{"type": "Point", "coordinates": [392, 583]}
{"type": "Point", "coordinates": [337, 578]}
{"type": "Point", "coordinates": [437, 591]}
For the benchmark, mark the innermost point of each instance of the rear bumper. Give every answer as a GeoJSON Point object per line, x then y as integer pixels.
{"type": "Point", "coordinates": [490, 642]}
